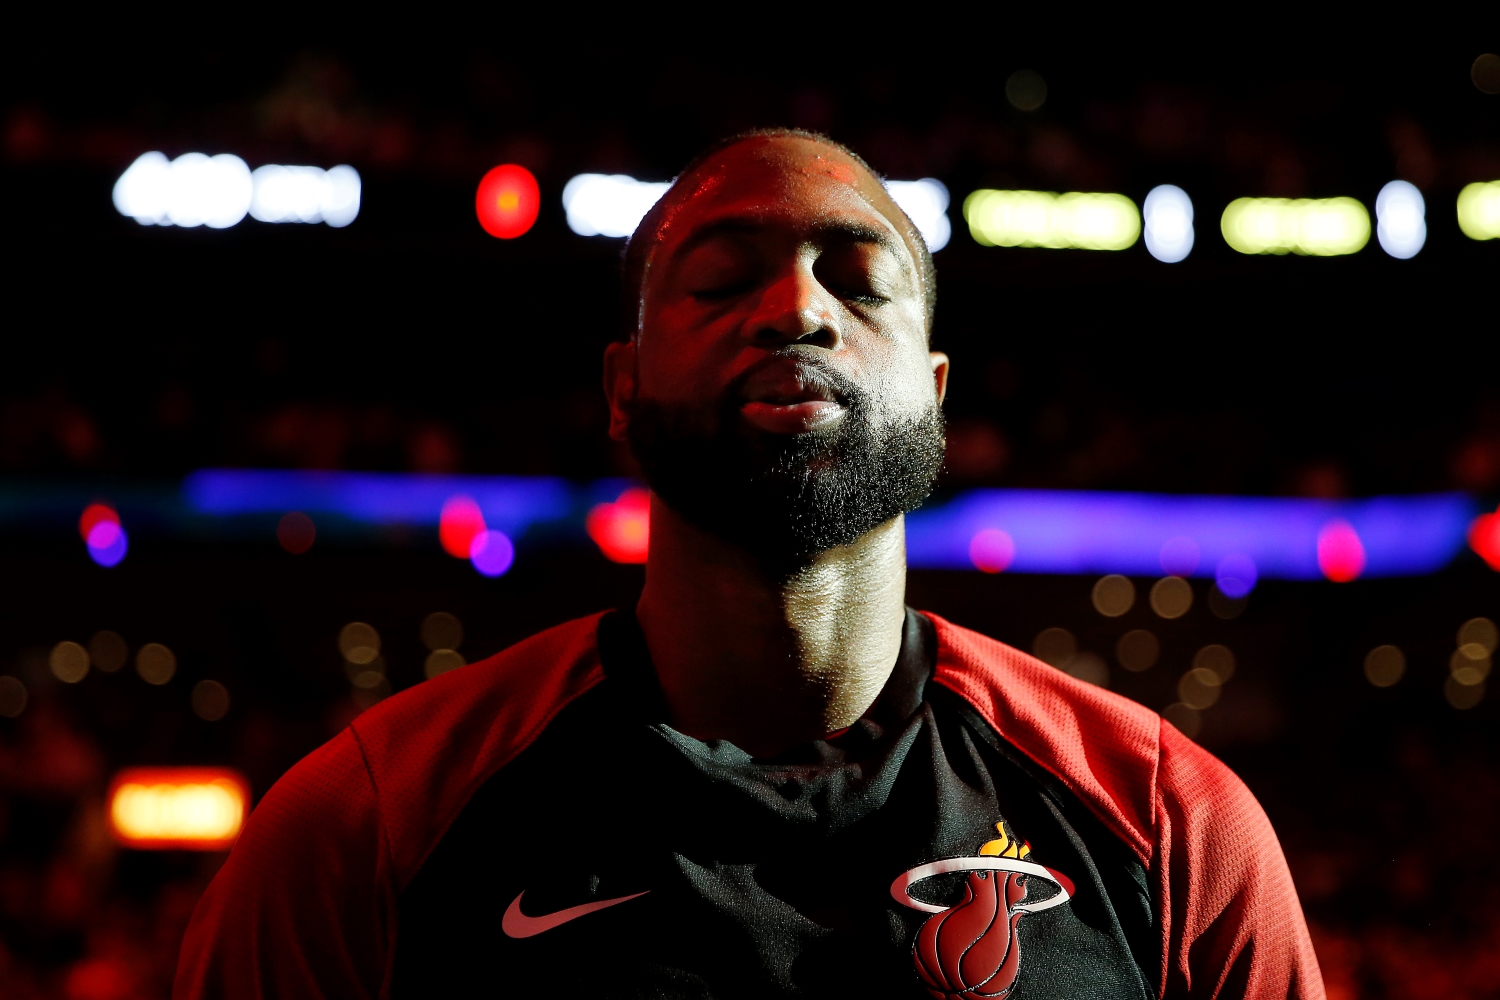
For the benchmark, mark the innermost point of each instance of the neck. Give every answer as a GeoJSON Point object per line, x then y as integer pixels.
{"type": "Point", "coordinates": [762, 662]}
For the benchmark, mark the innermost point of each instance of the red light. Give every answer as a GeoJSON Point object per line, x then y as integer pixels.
{"type": "Point", "coordinates": [1341, 555]}
{"type": "Point", "coordinates": [460, 523]}
{"type": "Point", "coordinates": [622, 529]}
{"type": "Point", "coordinates": [183, 808]}
{"type": "Point", "coordinates": [1484, 538]}
{"type": "Point", "coordinates": [991, 550]}
{"type": "Point", "coordinates": [94, 515]}
{"type": "Point", "coordinates": [508, 201]}
{"type": "Point", "coordinates": [296, 532]}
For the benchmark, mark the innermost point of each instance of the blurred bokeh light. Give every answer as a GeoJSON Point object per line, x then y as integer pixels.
{"type": "Point", "coordinates": [178, 808]}
{"type": "Point", "coordinates": [1325, 227]}
{"type": "Point", "coordinates": [1060, 221]}
{"type": "Point", "coordinates": [1479, 211]}
{"type": "Point", "coordinates": [1168, 217]}
{"type": "Point", "coordinates": [508, 201]}
{"type": "Point", "coordinates": [1401, 219]}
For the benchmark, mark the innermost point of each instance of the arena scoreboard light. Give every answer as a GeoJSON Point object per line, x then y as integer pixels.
{"type": "Point", "coordinates": [178, 808]}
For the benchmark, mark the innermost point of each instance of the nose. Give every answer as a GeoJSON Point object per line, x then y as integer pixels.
{"type": "Point", "coordinates": [795, 309]}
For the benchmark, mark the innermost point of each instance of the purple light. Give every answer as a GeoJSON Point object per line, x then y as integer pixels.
{"type": "Point", "coordinates": [992, 550]}
{"type": "Point", "coordinates": [107, 543]}
{"type": "Point", "coordinates": [1235, 575]}
{"type": "Point", "coordinates": [492, 552]}
{"type": "Point", "coordinates": [1061, 531]}
{"type": "Point", "coordinates": [1179, 556]}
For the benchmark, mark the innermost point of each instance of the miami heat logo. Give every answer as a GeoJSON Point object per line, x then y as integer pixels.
{"type": "Point", "coordinates": [970, 951]}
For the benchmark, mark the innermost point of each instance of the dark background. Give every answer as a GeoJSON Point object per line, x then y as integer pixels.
{"type": "Point", "coordinates": [413, 341]}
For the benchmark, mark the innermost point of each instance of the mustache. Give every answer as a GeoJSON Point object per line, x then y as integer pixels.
{"type": "Point", "coordinates": [811, 370]}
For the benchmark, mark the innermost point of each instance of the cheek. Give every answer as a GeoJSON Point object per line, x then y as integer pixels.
{"type": "Point", "coordinates": [674, 367]}
{"type": "Point", "coordinates": [900, 378]}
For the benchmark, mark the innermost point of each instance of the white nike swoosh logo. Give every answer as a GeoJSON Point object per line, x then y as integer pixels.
{"type": "Point", "coordinates": [518, 925]}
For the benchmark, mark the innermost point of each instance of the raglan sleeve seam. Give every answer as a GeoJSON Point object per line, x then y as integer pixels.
{"type": "Point", "coordinates": [386, 850]}
{"type": "Point", "coordinates": [381, 828]}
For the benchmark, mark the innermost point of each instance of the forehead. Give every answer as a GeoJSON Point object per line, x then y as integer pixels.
{"type": "Point", "coordinates": [781, 182]}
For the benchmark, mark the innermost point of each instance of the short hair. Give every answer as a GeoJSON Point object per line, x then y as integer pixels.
{"type": "Point", "coordinates": [637, 251]}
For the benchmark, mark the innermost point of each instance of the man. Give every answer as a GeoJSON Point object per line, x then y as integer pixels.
{"type": "Point", "coordinates": [771, 779]}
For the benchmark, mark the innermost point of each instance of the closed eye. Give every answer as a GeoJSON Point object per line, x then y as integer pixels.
{"type": "Point", "coordinates": [722, 292]}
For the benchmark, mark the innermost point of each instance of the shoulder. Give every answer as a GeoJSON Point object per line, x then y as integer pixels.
{"type": "Point", "coordinates": [1104, 748]}
{"type": "Point", "coordinates": [1119, 757]}
{"type": "Point", "coordinates": [318, 868]}
{"type": "Point", "coordinates": [402, 770]}
{"type": "Point", "coordinates": [1190, 819]}
{"type": "Point", "coordinates": [430, 747]}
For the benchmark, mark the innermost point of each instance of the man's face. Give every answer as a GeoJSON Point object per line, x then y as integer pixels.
{"type": "Point", "coordinates": [780, 386]}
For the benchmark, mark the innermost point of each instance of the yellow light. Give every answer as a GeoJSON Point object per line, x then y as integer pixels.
{"type": "Point", "coordinates": [1061, 221]}
{"type": "Point", "coordinates": [183, 808]}
{"type": "Point", "coordinates": [1479, 211]}
{"type": "Point", "coordinates": [1321, 227]}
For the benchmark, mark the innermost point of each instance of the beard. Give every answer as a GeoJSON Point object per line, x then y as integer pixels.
{"type": "Point", "coordinates": [787, 498]}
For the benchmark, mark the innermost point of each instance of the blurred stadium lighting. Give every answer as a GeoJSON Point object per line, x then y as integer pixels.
{"type": "Point", "coordinates": [459, 525]}
{"type": "Point", "coordinates": [1341, 554]}
{"type": "Point", "coordinates": [178, 808]}
{"type": "Point", "coordinates": [622, 528]}
{"type": "Point", "coordinates": [1479, 211]}
{"type": "Point", "coordinates": [507, 201]}
{"type": "Point", "coordinates": [1168, 213]}
{"type": "Point", "coordinates": [219, 191]}
{"type": "Point", "coordinates": [99, 525]}
{"type": "Point", "coordinates": [508, 503]}
{"type": "Point", "coordinates": [609, 204]}
{"type": "Point", "coordinates": [1043, 219]}
{"type": "Point", "coordinates": [305, 194]}
{"type": "Point", "coordinates": [492, 553]}
{"type": "Point", "coordinates": [1235, 575]}
{"type": "Point", "coordinates": [1325, 227]}
{"type": "Point", "coordinates": [107, 543]}
{"type": "Point", "coordinates": [192, 190]}
{"type": "Point", "coordinates": [925, 202]}
{"type": "Point", "coordinates": [1484, 538]}
{"type": "Point", "coordinates": [92, 515]}
{"type": "Point", "coordinates": [991, 550]}
{"type": "Point", "coordinates": [1400, 219]}
{"type": "Point", "coordinates": [1240, 539]}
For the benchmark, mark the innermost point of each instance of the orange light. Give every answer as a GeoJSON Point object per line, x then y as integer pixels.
{"type": "Point", "coordinates": [622, 529]}
{"type": "Point", "coordinates": [508, 201]}
{"type": "Point", "coordinates": [178, 808]}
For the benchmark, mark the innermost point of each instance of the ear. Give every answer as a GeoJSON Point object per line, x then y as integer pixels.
{"type": "Point", "coordinates": [619, 385]}
{"type": "Point", "coordinates": [940, 374]}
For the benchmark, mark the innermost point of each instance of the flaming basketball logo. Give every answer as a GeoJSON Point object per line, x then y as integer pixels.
{"type": "Point", "coordinates": [970, 951]}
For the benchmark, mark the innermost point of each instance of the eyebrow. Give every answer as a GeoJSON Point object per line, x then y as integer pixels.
{"type": "Point", "coordinates": [846, 230]}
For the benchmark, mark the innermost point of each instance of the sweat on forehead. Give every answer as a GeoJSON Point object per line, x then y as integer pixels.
{"type": "Point", "coordinates": [773, 151]}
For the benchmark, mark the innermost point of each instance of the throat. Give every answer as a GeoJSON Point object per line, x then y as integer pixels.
{"type": "Point", "coordinates": [762, 662]}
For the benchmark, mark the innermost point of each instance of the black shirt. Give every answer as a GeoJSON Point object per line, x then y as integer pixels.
{"type": "Point", "coordinates": [723, 875]}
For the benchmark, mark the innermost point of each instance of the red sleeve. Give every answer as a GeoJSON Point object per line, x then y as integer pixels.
{"type": "Point", "coordinates": [305, 905]}
{"type": "Point", "coordinates": [1231, 922]}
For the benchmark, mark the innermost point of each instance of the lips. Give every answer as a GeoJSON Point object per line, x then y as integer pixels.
{"type": "Point", "coordinates": [789, 399]}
